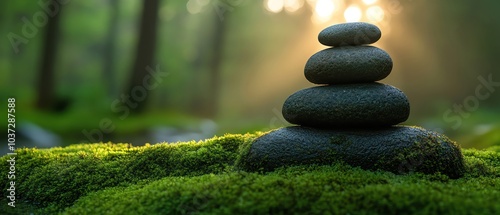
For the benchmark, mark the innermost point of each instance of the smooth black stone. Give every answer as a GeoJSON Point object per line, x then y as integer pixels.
{"type": "Point", "coordinates": [350, 64]}
{"type": "Point", "coordinates": [347, 105]}
{"type": "Point", "coordinates": [398, 149]}
{"type": "Point", "coordinates": [349, 34]}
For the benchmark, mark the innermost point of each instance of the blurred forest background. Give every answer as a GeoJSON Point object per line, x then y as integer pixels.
{"type": "Point", "coordinates": [164, 70]}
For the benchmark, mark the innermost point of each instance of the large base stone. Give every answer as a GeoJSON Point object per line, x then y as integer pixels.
{"type": "Point", "coordinates": [398, 149]}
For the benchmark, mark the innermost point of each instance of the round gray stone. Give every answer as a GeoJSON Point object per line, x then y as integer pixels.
{"type": "Point", "coordinates": [349, 64]}
{"type": "Point", "coordinates": [347, 105]}
{"type": "Point", "coordinates": [349, 34]}
{"type": "Point", "coordinates": [398, 149]}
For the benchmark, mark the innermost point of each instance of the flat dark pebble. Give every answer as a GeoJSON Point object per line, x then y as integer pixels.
{"type": "Point", "coordinates": [350, 34]}
{"type": "Point", "coordinates": [347, 105]}
{"type": "Point", "coordinates": [350, 64]}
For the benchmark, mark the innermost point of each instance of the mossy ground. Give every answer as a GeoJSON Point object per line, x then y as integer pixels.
{"type": "Point", "coordinates": [202, 178]}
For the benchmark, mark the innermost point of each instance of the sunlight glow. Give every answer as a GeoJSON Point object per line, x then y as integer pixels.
{"type": "Point", "coordinates": [324, 8]}
{"type": "Point", "coordinates": [324, 11]}
{"type": "Point", "coordinates": [353, 14]}
{"type": "Point", "coordinates": [375, 14]}
{"type": "Point", "coordinates": [293, 5]}
{"type": "Point", "coordinates": [369, 2]}
{"type": "Point", "coordinates": [274, 6]}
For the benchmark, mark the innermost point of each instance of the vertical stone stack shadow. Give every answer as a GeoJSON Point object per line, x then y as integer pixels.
{"type": "Point", "coordinates": [351, 117]}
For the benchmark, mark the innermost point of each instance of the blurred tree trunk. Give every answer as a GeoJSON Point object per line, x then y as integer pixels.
{"type": "Point", "coordinates": [145, 52]}
{"type": "Point", "coordinates": [215, 64]}
{"type": "Point", "coordinates": [197, 96]}
{"type": "Point", "coordinates": [46, 83]}
{"type": "Point", "coordinates": [197, 67]}
{"type": "Point", "coordinates": [109, 50]}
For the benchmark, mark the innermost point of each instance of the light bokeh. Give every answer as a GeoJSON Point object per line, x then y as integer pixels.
{"type": "Point", "coordinates": [323, 11]}
{"type": "Point", "coordinates": [274, 6]}
{"type": "Point", "coordinates": [353, 14]}
{"type": "Point", "coordinates": [369, 2]}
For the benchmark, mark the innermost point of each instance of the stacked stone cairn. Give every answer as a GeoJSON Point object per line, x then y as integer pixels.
{"type": "Point", "coordinates": [351, 118]}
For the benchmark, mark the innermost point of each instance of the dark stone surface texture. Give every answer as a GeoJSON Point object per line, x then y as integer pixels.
{"type": "Point", "coordinates": [348, 105]}
{"type": "Point", "coordinates": [398, 149]}
{"type": "Point", "coordinates": [351, 64]}
{"type": "Point", "coordinates": [349, 34]}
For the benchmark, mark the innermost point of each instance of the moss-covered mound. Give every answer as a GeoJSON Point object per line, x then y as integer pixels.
{"type": "Point", "coordinates": [201, 178]}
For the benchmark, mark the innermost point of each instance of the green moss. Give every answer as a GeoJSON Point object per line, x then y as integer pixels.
{"type": "Point", "coordinates": [200, 178]}
{"type": "Point", "coordinates": [59, 176]}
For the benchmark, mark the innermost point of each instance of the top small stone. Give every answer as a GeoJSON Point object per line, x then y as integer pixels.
{"type": "Point", "coordinates": [349, 34]}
